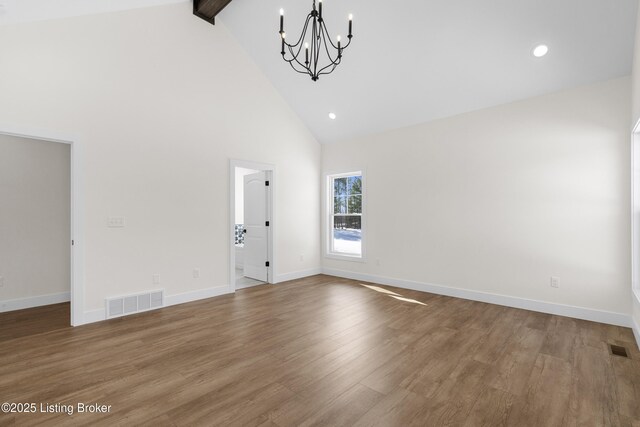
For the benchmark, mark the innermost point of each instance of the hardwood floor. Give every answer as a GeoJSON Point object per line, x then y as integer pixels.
{"type": "Point", "coordinates": [321, 351]}
{"type": "Point", "coordinates": [24, 323]}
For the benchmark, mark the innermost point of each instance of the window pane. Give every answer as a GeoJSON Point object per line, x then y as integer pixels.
{"type": "Point", "coordinates": [340, 205]}
{"type": "Point", "coordinates": [347, 234]}
{"type": "Point", "coordinates": [355, 185]}
{"type": "Point", "coordinates": [355, 204]}
{"type": "Point", "coordinates": [340, 187]}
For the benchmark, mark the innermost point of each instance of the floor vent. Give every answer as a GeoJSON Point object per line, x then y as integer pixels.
{"type": "Point", "coordinates": [616, 350]}
{"type": "Point", "coordinates": [130, 304]}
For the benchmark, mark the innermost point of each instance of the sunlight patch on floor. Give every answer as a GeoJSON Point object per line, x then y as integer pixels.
{"type": "Point", "coordinates": [407, 299]}
{"type": "Point", "coordinates": [379, 289]}
{"type": "Point", "coordinates": [392, 294]}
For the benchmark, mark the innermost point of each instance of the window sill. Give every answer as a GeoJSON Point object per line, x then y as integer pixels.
{"type": "Point", "coordinates": [340, 257]}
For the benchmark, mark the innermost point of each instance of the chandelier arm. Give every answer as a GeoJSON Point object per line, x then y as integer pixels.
{"type": "Point", "coordinates": [326, 48]}
{"type": "Point", "coordinates": [333, 64]}
{"type": "Point", "coordinates": [304, 33]}
{"type": "Point", "coordinates": [331, 41]}
{"type": "Point", "coordinates": [294, 56]}
{"type": "Point", "coordinates": [327, 31]}
{"type": "Point", "coordinates": [298, 71]}
{"type": "Point", "coordinates": [328, 72]}
{"type": "Point", "coordinates": [295, 63]}
{"type": "Point", "coordinates": [295, 59]}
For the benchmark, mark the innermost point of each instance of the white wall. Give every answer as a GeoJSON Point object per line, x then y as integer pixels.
{"type": "Point", "coordinates": [160, 100]}
{"type": "Point", "coordinates": [240, 173]}
{"type": "Point", "coordinates": [501, 199]}
{"type": "Point", "coordinates": [34, 220]}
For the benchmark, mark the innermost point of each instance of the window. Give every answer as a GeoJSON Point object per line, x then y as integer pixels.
{"type": "Point", "coordinates": [345, 214]}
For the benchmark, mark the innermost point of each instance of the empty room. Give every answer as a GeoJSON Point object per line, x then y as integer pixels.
{"type": "Point", "coordinates": [318, 212]}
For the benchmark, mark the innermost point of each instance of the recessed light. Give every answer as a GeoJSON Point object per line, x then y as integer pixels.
{"type": "Point", "coordinates": [540, 50]}
{"type": "Point", "coordinates": [332, 116]}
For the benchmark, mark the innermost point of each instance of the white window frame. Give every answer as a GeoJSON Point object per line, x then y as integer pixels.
{"type": "Point", "coordinates": [329, 253]}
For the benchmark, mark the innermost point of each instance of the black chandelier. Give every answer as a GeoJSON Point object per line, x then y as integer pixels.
{"type": "Point", "coordinates": [316, 45]}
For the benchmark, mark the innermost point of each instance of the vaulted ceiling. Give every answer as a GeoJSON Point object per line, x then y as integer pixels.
{"type": "Point", "coordinates": [413, 61]}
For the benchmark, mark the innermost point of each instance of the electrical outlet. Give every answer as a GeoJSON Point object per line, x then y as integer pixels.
{"type": "Point", "coordinates": [196, 273]}
{"type": "Point", "coordinates": [378, 262]}
{"type": "Point", "coordinates": [156, 279]}
{"type": "Point", "coordinates": [301, 258]}
{"type": "Point", "coordinates": [555, 282]}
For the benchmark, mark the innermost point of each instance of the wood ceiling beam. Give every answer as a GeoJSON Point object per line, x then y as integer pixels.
{"type": "Point", "coordinates": [208, 9]}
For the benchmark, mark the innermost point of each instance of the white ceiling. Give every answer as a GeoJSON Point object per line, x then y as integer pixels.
{"type": "Point", "coordinates": [19, 11]}
{"type": "Point", "coordinates": [412, 61]}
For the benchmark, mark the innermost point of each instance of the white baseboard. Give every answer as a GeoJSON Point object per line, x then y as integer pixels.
{"type": "Point", "coordinates": [93, 316]}
{"type": "Point", "coordinates": [636, 331]}
{"type": "Point", "coordinates": [635, 326]}
{"type": "Point", "coordinates": [30, 302]}
{"type": "Point", "coordinates": [297, 275]}
{"type": "Point", "coordinates": [169, 300]}
{"type": "Point", "coordinates": [611, 318]}
{"type": "Point", "coordinates": [197, 295]}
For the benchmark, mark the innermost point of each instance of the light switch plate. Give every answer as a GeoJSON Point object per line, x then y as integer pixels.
{"type": "Point", "coordinates": [115, 222]}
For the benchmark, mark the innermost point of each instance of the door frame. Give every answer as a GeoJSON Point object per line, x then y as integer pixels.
{"type": "Point", "coordinates": [76, 250]}
{"type": "Point", "coordinates": [635, 211]}
{"type": "Point", "coordinates": [271, 210]}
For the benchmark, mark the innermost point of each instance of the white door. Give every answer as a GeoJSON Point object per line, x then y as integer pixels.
{"type": "Point", "coordinates": [255, 218]}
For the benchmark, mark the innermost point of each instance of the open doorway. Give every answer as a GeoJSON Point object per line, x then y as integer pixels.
{"type": "Point", "coordinates": [251, 213]}
{"type": "Point", "coordinates": [35, 231]}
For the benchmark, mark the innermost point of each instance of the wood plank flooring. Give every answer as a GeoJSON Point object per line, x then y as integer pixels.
{"type": "Point", "coordinates": [321, 351]}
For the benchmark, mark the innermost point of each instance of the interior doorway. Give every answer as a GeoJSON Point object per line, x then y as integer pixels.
{"type": "Point", "coordinates": [36, 268]}
{"type": "Point", "coordinates": [251, 213]}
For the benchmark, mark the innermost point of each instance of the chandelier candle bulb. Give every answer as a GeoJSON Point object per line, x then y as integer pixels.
{"type": "Point", "coordinates": [306, 48]}
{"type": "Point", "coordinates": [350, 25]}
{"type": "Point", "coordinates": [320, 10]}
{"type": "Point", "coordinates": [339, 47]}
{"type": "Point", "coordinates": [281, 21]}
